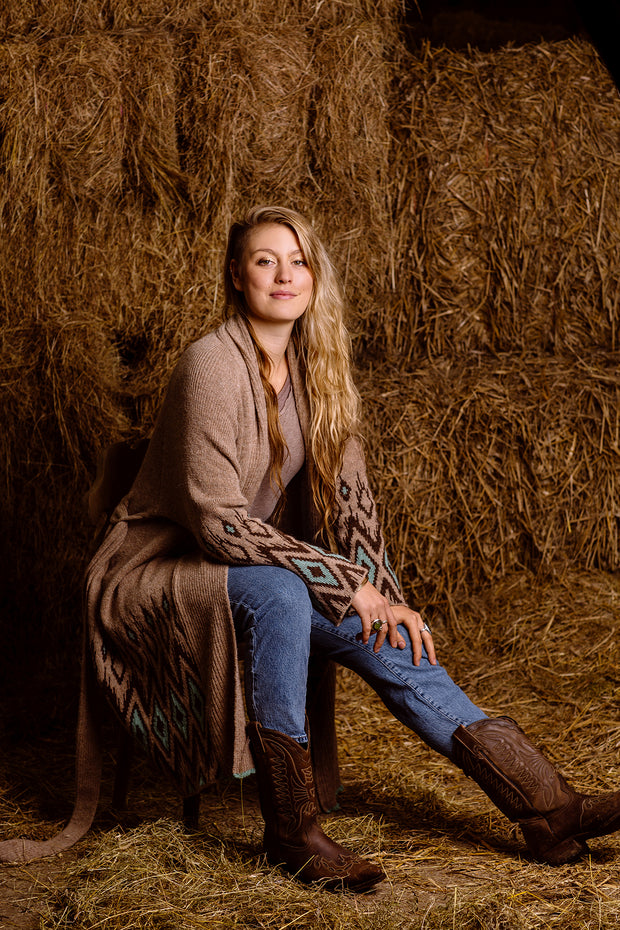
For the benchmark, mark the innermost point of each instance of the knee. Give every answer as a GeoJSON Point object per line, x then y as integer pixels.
{"type": "Point", "coordinates": [284, 615]}
{"type": "Point", "coordinates": [286, 594]}
{"type": "Point", "coordinates": [255, 588]}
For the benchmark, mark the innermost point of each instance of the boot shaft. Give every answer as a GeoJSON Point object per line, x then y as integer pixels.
{"type": "Point", "coordinates": [520, 781]}
{"type": "Point", "coordinates": [285, 783]}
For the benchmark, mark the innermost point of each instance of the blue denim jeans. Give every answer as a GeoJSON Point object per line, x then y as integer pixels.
{"type": "Point", "coordinates": [275, 620]}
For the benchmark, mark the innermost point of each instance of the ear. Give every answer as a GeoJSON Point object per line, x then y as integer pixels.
{"type": "Point", "coordinates": [234, 274]}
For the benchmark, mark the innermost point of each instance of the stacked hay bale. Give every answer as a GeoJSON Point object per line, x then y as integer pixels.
{"type": "Point", "coordinates": [505, 259]}
{"type": "Point", "coordinates": [471, 203]}
{"type": "Point", "coordinates": [491, 465]}
{"type": "Point", "coordinates": [507, 213]}
{"type": "Point", "coordinates": [130, 140]}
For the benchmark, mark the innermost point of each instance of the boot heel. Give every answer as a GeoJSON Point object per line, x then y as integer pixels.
{"type": "Point", "coordinates": [566, 851]}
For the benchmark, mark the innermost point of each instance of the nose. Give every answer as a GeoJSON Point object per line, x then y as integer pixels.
{"type": "Point", "coordinates": [283, 274]}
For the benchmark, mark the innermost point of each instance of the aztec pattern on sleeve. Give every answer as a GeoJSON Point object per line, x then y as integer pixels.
{"type": "Point", "coordinates": [230, 535]}
{"type": "Point", "coordinates": [360, 536]}
{"type": "Point", "coordinates": [331, 578]}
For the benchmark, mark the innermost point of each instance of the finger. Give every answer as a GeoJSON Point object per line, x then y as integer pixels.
{"type": "Point", "coordinates": [381, 634]}
{"type": "Point", "coordinates": [414, 627]}
{"type": "Point", "coordinates": [389, 629]}
{"type": "Point", "coordinates": [367, 620]}
{"type": "Point", "coordinates": [392, 632]}
{"type": "Point", "coordinates": [427, 639]}
{"type": "Point", "coordinates": [416, 641]}
{"type": "Point", "coordinates": [366, 629]}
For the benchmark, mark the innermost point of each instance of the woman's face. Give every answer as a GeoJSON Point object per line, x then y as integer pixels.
{"type": "Point", "coordinates": [273, 276]}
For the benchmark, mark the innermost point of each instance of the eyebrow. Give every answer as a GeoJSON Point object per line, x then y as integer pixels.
{"type": "Point", "coordinates": [273, 252]}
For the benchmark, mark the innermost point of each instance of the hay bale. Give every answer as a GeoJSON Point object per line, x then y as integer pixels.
{"type": "Point", "coordinates": [65, 17]}
{"type": "Point", "coordinates": [243, 116]}
{"type": "Point", "coordinates": [86, 120]}
{"type": "Point", "coordinates": [289, 129]}
{"type": "Point", "coordinates": [506, 203]}
{"type": "Point", "coordinates": [53, 376]}
{"type": "Point", "coordinates": [487, 466]}
{"type": "Point", "coordinates": [125, 155]}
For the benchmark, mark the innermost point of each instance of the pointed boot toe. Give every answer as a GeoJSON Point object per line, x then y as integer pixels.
{"type": "Point", "coordinates": [561, 835]}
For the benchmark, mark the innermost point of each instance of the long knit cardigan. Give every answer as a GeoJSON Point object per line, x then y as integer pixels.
{"type": "Point", "coordinates": [160, 639]}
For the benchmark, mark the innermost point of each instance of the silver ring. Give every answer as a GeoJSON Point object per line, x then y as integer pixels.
{"type": "Point", "coordinates": [426, 629]}
{"type": "Point", "coordinates": [377, 624]}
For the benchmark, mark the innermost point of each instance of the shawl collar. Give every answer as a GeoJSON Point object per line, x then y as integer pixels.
{"type": "Point", "coordinates": [237, 329]}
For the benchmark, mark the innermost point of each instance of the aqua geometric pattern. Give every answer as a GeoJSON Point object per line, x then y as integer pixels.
{"type": "Point", "coordinates": [331, 577]}
{"type": "Point", "coordinates": [362, 558]}
{"type": "Point", "coordinates": [160, 727]}
{"type": "Point", "coordinates": [196, 702]}
{"type": "Point", "coordinates": [361, 539]}
{"type": "Point", "coordinates": [155, 690]}
{"type": "Point", "coordinates": [315, 572]}
{"type": "Point", "coordinates": [179, 716]}
{"type": "Point", "coordinates": [389, 568]}
{"type": "Point", "coordinates": [138, 728]}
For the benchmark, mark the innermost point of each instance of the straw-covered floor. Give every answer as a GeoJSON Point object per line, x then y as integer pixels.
{"type": "Point", "coordinates": [451, 859]}
{"type": "Point", "coordinates": [472, 204]}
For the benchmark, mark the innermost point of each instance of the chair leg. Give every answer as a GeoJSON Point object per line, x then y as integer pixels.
{"type": "Point", "coordinates": [191, 811]}
{"type": "Point", "coordinates": [123, 770]}
{"type": "Point", "coordinates": [191, 804]}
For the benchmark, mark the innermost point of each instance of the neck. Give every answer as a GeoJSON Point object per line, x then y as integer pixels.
{"type": "Point", "coordinates": [274, 340]}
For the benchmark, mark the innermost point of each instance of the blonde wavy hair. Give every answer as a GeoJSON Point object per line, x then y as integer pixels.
{"type": "Point", "coordinates": [323, 344]}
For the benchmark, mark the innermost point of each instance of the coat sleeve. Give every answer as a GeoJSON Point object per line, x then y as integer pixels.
{"type": "Point", "coordinates": [198, 456]}
{"type": "Point", "coordinates": [359, 532]}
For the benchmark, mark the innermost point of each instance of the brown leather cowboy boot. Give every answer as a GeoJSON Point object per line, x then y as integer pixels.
{"type": "Point", "coordinates": [293, 837]}
{"type": "Point", "coordinates": [556, 821]}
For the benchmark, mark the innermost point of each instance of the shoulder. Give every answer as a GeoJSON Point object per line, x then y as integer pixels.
{"type": "Point", "coordinates": [213, 361]}
{"type": "Point", "coordinates": [215, 348]}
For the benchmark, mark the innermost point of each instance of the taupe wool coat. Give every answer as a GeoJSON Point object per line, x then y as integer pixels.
{"type": "Point", "coordinates": [159, 632]}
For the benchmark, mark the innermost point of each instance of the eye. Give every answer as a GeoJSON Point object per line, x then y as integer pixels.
{"type": "Point", "coordinates": [300, 261]}
{"type": "Point", "coordinates": [263, 261]}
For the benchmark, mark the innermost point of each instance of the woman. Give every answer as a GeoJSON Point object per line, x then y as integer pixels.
{"type": "Point", "coordinates": [251, 522]}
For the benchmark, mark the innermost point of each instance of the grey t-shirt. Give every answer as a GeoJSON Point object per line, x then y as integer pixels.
{"type": "Point", "coordinates": [268, 496]}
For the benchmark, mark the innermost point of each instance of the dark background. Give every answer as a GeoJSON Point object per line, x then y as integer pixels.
{"type": "Point", "coordinates": [487, 25]}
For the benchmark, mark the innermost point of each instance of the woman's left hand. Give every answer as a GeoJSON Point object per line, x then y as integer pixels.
{"type": "Point", "coordinates": [371, 606]}
{"type": "Point", "coordinates": [418, 632]}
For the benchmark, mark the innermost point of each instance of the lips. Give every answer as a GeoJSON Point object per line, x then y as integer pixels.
{"type": "Point", "coordinates": [283, 294]}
